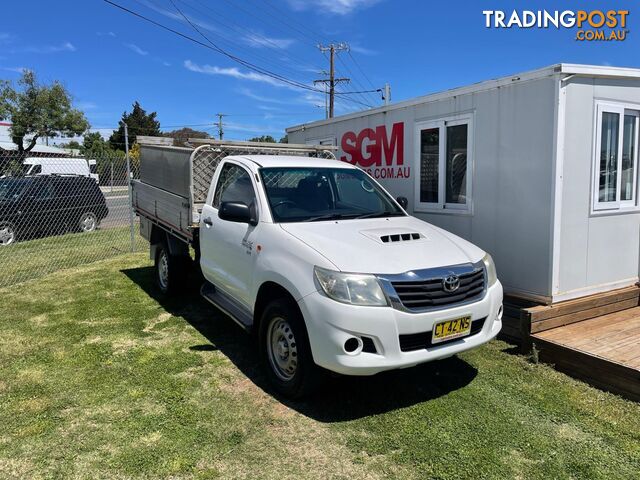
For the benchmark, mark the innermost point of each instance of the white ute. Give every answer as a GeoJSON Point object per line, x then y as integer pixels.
{"type": "Point", "coordinates": [317, 259]}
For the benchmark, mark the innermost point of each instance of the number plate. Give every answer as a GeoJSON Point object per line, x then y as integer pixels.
{"type": "Point", "coordinates": [450, 329]}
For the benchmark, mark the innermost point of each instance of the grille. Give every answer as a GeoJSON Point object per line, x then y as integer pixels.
{"type": "Point", "coordinates": [422, 340]}
{"type": "Point", "coordinates": [430, 293]}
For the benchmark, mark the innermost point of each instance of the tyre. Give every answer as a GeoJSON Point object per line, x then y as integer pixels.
{"type": "Point", "coordinates": [171, 270]}
{"type": "Point", "coordinates": [88, 222]}
{"type": "Point", "coordinates": [8, 234]}
{"type": "Point", "coordinates": [285, 352]}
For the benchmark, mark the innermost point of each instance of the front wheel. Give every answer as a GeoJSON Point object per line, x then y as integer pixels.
{"type": "Point", "coordinates": [285, 352]}
{"type": "Point", "coordinates": [171, 270]}
{"type": "Point", "coordinates": [8, 234]}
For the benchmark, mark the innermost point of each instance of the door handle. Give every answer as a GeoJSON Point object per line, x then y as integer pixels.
{"type": "Point", "coordinates": [207, 221]}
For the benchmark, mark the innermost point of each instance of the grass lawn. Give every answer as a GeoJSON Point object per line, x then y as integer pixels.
{"type": "Point", "coordinates": [101, 378]}
{"type": "Point", "coordinates": [35, 258]}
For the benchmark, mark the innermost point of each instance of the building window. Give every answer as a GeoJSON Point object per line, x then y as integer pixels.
{"type": "Point", "coordinates": [616, 157]}
{"type": "Point", "coordinates": [444, 153]}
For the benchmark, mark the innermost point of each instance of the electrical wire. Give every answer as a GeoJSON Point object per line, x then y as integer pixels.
{"type": "Point", "coordinates": [214, 47]}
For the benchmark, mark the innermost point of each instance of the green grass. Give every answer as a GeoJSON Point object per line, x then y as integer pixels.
{"type": "Point", "coordinates": [34, 258]}
{"type": "Point", "coordinates": [101, 378]}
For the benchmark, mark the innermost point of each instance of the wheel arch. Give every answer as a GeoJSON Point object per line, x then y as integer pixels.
{"type": "Point", "coordinates": [269, 291]}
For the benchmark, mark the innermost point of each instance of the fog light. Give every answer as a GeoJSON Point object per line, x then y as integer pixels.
{"type": "Point", "coordinates": [353, 346]}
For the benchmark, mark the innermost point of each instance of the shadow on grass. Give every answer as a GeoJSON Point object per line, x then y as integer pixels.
{"type": "Point", "coordinates": [341, 398]}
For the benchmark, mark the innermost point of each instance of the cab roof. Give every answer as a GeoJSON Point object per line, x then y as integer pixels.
{"type": "Point", "coordinates": [270, 161]}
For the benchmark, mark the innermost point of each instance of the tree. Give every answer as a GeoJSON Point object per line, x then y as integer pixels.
{"type": "Point", "coordinates": [94, 145]}
{"type": "Point", "coordinates": [36, 110]}
{"type": "Point", "coordinates": [71, 144]}
{"type": "Point", "coordinates": [181, 136]}
{"type": "Point", "coordinates": [284, 139]}
{"type": "Point", "coordinates": [263, 138]}
{"type": "Point", "coordinates": [138, 123]}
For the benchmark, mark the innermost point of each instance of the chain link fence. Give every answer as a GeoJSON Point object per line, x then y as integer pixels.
{"type": "Point", "coordinates": [61, 212]}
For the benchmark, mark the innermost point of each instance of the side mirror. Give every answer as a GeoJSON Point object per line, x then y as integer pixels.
{"type": "Point", "coordinates": [237, 212]}
{"type": "Point", "coordinates": [403, 202]}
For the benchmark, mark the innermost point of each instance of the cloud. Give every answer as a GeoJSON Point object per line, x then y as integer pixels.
{"type": "Point", "coordinates": [337, 7]}
{"type": "Point", "coordinates": [176, 16]}
{"type": "Point", "coordinates": [249, 93]}
{"type": "Point", "coordinates": [5, 37]}
{"type": "Point", "coordinates": [233, 72]}
{"type": "Point", "coordinates": [260, 41]}
{"type": "Point", "coordinates": [64, 47]}
{"type": "Point", "coordinates": [106, 34]}
{"type": "Point", "coordinates": [135, 48]}
{"type": "Point", "coordinates": [362, 50]}
{"type": "Point", "coordinates": [86, 106]}
{"type": "Point", "coordinates": [15, 69]}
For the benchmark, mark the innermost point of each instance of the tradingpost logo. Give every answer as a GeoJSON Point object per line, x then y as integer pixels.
{"type": "Point", "coordinates": [590, 25]}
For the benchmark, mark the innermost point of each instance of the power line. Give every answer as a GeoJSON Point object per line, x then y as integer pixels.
{"type": "Point", "coordinates": [264, 41]}
{"type": "Point", "coordinates": [214, 47]}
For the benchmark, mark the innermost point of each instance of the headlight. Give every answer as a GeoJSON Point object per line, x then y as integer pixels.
{"type": "Point", "coordinates": [352, 288]}
{"type": "Point", "coordinates": [490, 267]}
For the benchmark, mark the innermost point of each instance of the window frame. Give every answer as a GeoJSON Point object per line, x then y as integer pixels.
{"type": "Point", "coordinates": [442, 206]}
{"type": "Point", "coordinates": [214, 186]}
{"type": "Point", "coordinates": [619, 205]}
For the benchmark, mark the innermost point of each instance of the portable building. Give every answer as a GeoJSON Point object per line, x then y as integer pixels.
{"type": "Point", "coordinates": [540, 169]}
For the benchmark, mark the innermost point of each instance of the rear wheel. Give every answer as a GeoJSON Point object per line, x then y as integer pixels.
{"type": "Point", "coordinates": [88, 222]}
{"type": "Point", "coordinates": [285, 352]}
{"type": "Point", "coordinates": [8, 234]}
{"type": "Point", "coordinates": [171, 270]}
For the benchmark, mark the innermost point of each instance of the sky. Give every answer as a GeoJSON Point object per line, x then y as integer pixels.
{"type": "Point", "coordinates": [108, 58]}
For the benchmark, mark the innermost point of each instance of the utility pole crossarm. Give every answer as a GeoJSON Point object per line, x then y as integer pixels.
{"type": "Point", "coordinates": [332, 81]}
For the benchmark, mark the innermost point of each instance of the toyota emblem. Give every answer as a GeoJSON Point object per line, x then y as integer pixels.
{"type": "Point", "coordinates": [451, 283]}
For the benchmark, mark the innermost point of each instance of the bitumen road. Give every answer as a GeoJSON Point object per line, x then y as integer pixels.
{"type": "Point", "coordinates": [118, 216]}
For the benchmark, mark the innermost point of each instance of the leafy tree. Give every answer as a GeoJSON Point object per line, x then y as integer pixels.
{"type": "Point", "coordinates": [72, 144]}
{"type": "Point", "coordinates": [36, 110]}
{"type": "Point", "coordinates": [284, 139]}
{"type": "Point", "coordinates": [263, 138]}
{"type": "Point", "coordinates": [181, 136]}
{"type": "Point", "coordinates": [139, 122]}
{"type": "Point", "coordinates": [94, 144]}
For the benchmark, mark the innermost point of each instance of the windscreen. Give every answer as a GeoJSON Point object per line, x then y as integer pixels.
{"type": "Point", "coordinates": [316, 194]}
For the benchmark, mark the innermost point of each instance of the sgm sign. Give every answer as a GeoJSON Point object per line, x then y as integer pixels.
{"type": "Point", "coordinates": [591, 25]}
{"type": "Point", "coordinates": [379, 152]}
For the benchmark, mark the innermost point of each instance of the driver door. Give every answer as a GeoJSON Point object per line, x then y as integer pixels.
{"type": "Point", "coordinates": [227, 249]}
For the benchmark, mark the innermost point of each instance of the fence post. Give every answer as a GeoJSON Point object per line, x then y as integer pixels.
{"type": "Point", "coordinates": [111, 174]}
{"type": "Point", "coordinates": [129, 196]}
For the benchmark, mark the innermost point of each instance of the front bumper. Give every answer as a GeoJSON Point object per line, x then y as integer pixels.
{"type": "Point", "coordinates": [330, 324]}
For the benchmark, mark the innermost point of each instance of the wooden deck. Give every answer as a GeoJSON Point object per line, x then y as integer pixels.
{"type": "Point", "coordinates": [604, 350]}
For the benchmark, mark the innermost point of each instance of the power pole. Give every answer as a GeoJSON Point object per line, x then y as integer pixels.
{"type": "Point", "coordinates": [387, 94]}
{"type": "Point", "coordinates": [220, 130]}
{"type": "Point", "coordinates": [332, 80]}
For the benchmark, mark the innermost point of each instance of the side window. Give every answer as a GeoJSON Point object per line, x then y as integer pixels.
{"type": "Point", "coordinates": [445, 164]}
{"type": "Point", "coordinates": [35, 170]}
{"type": "Point", "coordinates": [44, 191]}
{"type": "Point", "coordinates": [234, 185]}
{"type": "Point", "coordinates": [616, 157]}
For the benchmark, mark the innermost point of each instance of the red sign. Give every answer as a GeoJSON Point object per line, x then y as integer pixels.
{"type": "Point", "coordinates": [380, 154]}
{"type": "Point", "coordinates": [374, 148]}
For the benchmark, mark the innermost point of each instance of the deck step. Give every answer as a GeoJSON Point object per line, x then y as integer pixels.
{"type": "Point", "coordinates": [545, 317]}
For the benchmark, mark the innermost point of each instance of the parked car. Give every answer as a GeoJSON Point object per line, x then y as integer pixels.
{"type": "Point", "coordinates": [61, 166]}
{"type": "Point", "coordinates": [317, 259]}
{"type": "Point", "coordinates": [47, 204]}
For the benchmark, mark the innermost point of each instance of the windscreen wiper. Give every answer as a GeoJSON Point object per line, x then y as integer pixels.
{"type": "Point", "coordinates": [328, 216]}
{"type": "Point", "coordinates": [380, 214]}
